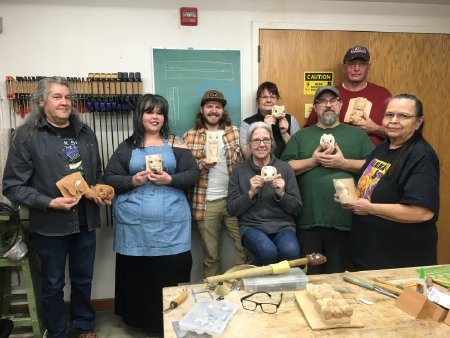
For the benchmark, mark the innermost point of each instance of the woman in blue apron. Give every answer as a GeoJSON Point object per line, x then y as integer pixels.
{"type": "Point", "coordinates": [151, 216]}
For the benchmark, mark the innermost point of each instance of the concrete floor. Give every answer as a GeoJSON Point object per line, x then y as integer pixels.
{"type": "Point", "coordinates": [108, 325]}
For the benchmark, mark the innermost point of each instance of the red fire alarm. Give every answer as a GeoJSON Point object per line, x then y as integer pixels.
{"type": "Point", "coordinates": [188, 16]}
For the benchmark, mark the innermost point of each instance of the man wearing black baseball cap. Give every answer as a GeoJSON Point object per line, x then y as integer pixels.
{"type": "Point", "coordinates": [363, 103]}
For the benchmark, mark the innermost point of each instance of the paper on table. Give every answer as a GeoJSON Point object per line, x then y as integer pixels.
{"type": "Point", "coordinates": [438, 297]}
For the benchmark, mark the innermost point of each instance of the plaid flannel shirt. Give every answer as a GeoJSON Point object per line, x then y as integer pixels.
{"type": "Point", "coordinates": [195, 140]}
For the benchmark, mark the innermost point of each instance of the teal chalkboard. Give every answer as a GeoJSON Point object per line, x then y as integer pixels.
{"type": "Point", "coordinates": [182, 76]}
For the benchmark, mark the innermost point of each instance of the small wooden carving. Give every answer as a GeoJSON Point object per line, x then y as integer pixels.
{"type": "Point", "coordinates": [329, 303]}
{"type": "Point", "coordinates": [327, 141]}
{"type": "Point", "coordinates": [72, 185]}
{"type": "Point", "coordinates": [268, 173]}
{"type": "Point", "coordinates": [358, 110]}
{"type": "Point", "coordinates": [103, 191]}
{"type": "Point", "coordinates": [278, 112]}
{"type": "Point", "coordinates": [346, 190]}
{"type": "Point", "coordinates": [212, 146]}
{"type": "Point", "coordinates": [154, 162]}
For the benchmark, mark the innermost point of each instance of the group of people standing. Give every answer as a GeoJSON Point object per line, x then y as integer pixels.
{"type": "Point", "coordinates": [392, 224]}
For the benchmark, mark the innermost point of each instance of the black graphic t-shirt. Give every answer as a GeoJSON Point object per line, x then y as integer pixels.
{"type": "Point", "coordinates": [375, 170]}
{"type": "Point", "coordinates": [379, 243]}
{"type": "Point", "coordinates": [75, 163]}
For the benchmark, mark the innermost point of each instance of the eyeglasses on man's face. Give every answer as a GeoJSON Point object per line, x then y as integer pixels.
{"type": "Point", "coordinates": [354, 64]}
{"type": "Point", "coordinates": [323, 103]}
{"type": "Point", "coordinates": [268, 97]}
{"type": "Point", "coordinates": [399, 116]}
{"type": "Point", "coordinates": [266, 307]}
{"type": "Point", "coordinates": [257, 141]}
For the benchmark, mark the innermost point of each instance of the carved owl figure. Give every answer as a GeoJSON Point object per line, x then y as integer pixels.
{"type": "Point", "coordinates": [212, 146]}
{"type": "Point", "coordinates": [278, 112]}
{"type": "Point", "coordinates": [327, 141]}
{"type": "Point", "coordinates": [103, 191]}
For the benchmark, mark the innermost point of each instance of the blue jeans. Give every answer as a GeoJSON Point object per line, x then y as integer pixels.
{"type": "Point", "coordinates": [52, 252]}
{"type": "Point", "coordinates": [269, 249]}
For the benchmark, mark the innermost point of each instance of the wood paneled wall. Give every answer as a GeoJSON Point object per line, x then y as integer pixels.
{"type": "Point", "coordinates": [403, 62]}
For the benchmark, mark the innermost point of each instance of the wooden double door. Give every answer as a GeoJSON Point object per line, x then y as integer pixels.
{"type": "Point", "coordinates": [402, 62]}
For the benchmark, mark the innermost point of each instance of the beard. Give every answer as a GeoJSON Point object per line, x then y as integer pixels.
{"type": "Point", "coordinates": [212, 119]}
{"type": "Point", "coordinates": [329, 119]}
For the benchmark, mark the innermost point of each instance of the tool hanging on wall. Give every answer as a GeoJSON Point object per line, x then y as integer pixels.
{"type": "Point", "coordinates": [104, 101]}
{"type": "Point", "coordinates": [110, 92]}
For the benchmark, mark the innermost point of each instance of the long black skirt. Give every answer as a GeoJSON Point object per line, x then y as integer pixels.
{"type": "Point", "coordinates": [139, 284]}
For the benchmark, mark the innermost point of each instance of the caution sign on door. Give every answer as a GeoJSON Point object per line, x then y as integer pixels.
{"type": "Point", "coordinates": [314, 80]}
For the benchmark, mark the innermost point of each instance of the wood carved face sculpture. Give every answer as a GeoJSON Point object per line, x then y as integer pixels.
{"type": "Point", "coordinates": [327, 141]}
{"type": "Point", "coordinates": [346, 190]}
{"type": "Point", "coordinates": [104, 191]}
{"type": "Point", "coordinates": [358, 110]}
{"type": "Point", "coordinates": [212, 146]}
{"type": "Point", "coordinates": [278, 112]}
{"type": "Point", "coordinates": [154, 162]}
{"type": "Point", "coordinates": [268, 173]}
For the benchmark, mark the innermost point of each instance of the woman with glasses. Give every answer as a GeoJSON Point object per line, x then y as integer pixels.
{"type": "Point", "coordinates": [267, 96]}
{"type": "Point", "coordinates": [394, 220]}
{"type": "Point", "coordinates": [267, 211]}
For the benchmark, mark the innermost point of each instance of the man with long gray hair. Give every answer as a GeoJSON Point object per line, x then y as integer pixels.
{"type": "Point", "coordinates": [51, 144]}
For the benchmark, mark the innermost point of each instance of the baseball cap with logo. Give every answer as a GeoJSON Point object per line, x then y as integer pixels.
{"type": "Point", "coordinates": [213, 95]}
{"type": "Point", "coordinates": [357, 52]}
{"type": "Point", "coordinates": [324, 89]}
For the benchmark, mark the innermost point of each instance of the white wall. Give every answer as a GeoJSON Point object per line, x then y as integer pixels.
{"type": "Point", "coordinates": [50, 38]}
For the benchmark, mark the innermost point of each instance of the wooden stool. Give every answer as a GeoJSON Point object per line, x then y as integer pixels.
{"type": "Point", "coordinates": [6, 296]}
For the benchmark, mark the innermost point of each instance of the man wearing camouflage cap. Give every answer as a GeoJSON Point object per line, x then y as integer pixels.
{"type": "Point", "coordinates": [208, 198]}
{"type": "Point", "coordinates": [324, 226]}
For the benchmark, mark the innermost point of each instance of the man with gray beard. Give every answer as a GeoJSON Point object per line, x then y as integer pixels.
{"type": "Point", "coordinates": [324, 226]}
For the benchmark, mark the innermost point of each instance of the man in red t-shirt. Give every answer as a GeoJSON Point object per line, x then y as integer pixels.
{"type": "Point", "coordinates": [363, 103]}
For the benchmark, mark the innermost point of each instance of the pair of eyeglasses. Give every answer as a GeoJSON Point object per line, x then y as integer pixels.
{"type": "Point", "coordinates": [353, 64]}
{"type": "Point", "coordinates": [267, 97]}
{"type": "Point", "coordinates": [399, 116]}
{"type": "Point", "coordinates": [256, 142]}
{"type": "Point", "coordinates": [266, 307]}
{"type": "Point", "coordinates": [323, 103]}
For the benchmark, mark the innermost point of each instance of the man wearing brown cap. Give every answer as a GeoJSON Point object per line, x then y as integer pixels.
{"type": "Point", "coordinates": [363, 103]}
{"type": "Point", "coordinates": [214, 142]}
{"type": "Point", "coordinates": [323, 225]}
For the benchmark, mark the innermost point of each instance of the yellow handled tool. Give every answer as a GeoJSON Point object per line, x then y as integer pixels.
{"type": "Point", "coordinates": [177, 301]}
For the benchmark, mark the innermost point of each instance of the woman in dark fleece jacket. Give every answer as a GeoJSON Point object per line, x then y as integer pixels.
{"type": "Point", "coordinates": [267, 211]}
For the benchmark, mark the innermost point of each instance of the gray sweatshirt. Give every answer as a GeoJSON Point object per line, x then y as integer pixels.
{"type": "Point", "coordinates": [265, 211]}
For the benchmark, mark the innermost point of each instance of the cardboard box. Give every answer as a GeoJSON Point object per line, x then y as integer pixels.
{"type": "Point", "coordinates": [418, 306]}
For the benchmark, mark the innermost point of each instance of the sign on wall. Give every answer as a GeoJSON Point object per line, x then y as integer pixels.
{"type": "Point", "coordinates": [314, 80]}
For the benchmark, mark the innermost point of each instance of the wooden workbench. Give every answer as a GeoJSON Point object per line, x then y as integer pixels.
{"type": "Point", "coordinates": [382, 319]}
